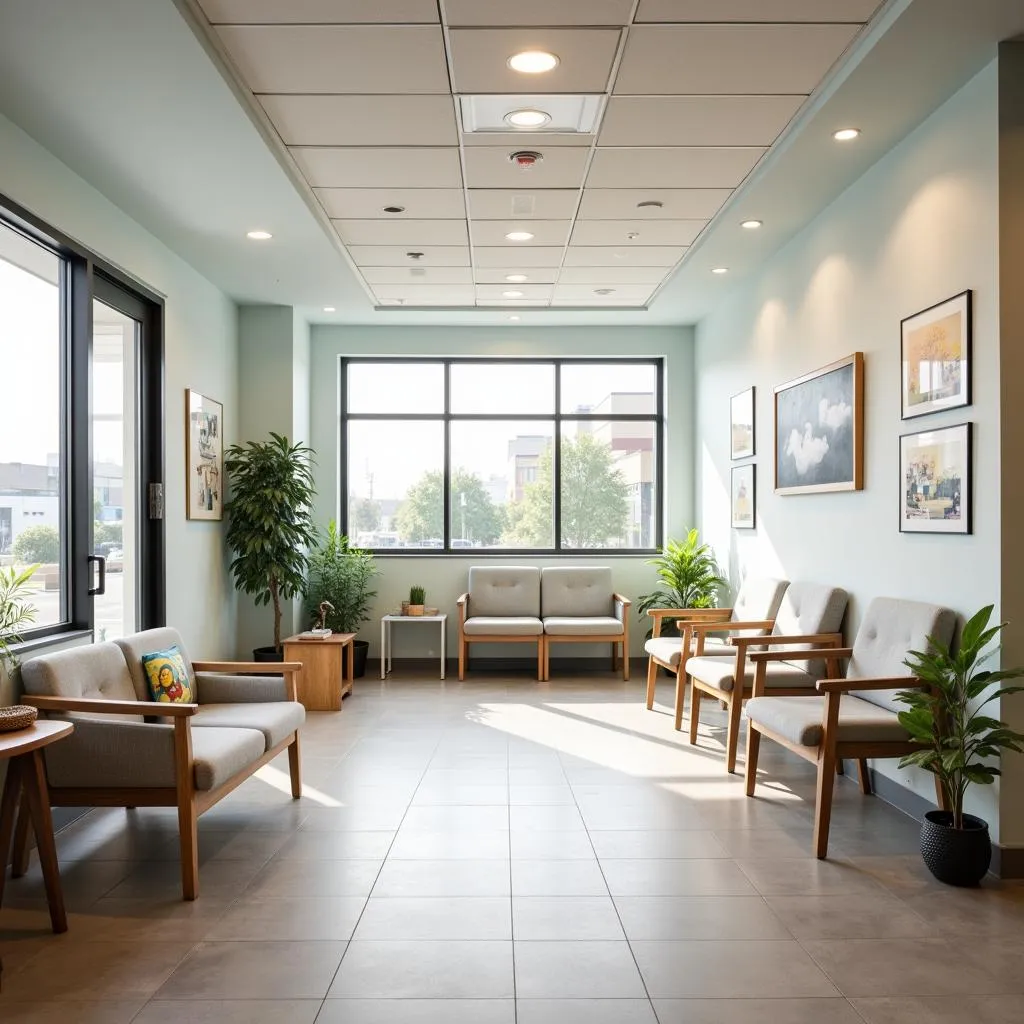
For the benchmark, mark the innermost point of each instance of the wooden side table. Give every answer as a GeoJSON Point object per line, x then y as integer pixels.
{"type": "Point", "coordinates": [321, 685]}
{"type": "Point", "coordinates": [26, 777]}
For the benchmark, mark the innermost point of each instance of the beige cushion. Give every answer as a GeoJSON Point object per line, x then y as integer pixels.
{"type": "Point", "coordinates": [136, 645]}
{"type": "Point", "coordinates": [666, 649]}
{"type": "Point", "coordinates": [758, 598]}
{"type": "Point", "coordinates": [500, 590]}
{"type": "Point", "coordinates": [798, 719]}
{"type": "Point", "coordinates": [721, 673]}
{"type": "Point", "coordinates": [577, 625]}
{"type": "Point", "coordinates": [217, 688]}
{"type": "Point", "coordinates": [808, 608]}
{"type": "Point", "coordinates": [504, 625]}
{"type": "Point", "coordinates": [94, 670]}
{"type": "Point", "coordinates": [567, 591]}
{"type": "Point", "coordinates": [274, 721]}
{"type": "Point", "coordinates": [218, 754]}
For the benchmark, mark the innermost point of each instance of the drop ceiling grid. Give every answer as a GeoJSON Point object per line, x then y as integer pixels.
{"type": "Point", "coordinates": [387, 122]}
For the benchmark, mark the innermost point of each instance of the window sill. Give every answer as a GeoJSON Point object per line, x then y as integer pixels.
{"type": "Point", "coordinates": [38, 644]}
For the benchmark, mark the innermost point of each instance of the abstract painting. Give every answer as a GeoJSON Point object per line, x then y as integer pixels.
{"type": "Point", "coordinates": [204, 422]}
{"type": "Point", "coordinates": [819, 429]}
{"type": "Point", "coordinates": [741, 421]}
{"type": "Point", "coordinates": [936, 357]}
{"type": "Point", "coordinates": [743, 497]}
{"type": "Point", "coordinates": [935, 481]}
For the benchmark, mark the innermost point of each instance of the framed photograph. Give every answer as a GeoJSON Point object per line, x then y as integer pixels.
{"type": "Point", "coordinates": [936, 354]}
{"type": "Point", "coordinates": [744, 497]}
{"type": "Point", "coordinates": [935, 481]}
{"type": "Point", "coordinates": [819, 430]}
{"type": "Point", "coordinates": [741, 424]}
{"type": "Point", "coordinates": [204, 469]}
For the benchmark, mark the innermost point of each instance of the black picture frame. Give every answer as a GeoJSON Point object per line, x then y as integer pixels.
{"type": "Point", "coordinates": [924, 495]}
{"type": "Point", "coordinates": [743, 478]}
{"type": "Point", "coordinates": [929, 328]}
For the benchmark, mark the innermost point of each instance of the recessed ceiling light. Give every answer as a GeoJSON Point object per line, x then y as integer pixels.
{"type": "Point", "coordinates": [258, 236]}
{"type": "Point", "coordinates": [512, 295]}
{"type": "Point", "coordinates": [394, 209]}
{"type": "Point", "coordinates": [631, 235]}
{"type": "Point", "coordinates": [646, 204]}
{"type": "Point", "coordinates": [533, 62]}
{"type": "Point", "coordinates": [330, 309]}
{"type": "Point", "coordinates": [846, 134]}
{"type": "Point", "coordinates": [513, 317]}
{"type": "Point", "coordinates": [528, 118]}
{"type": "Point", "coordinates": [414, 255]}
{"type": "Point", "coordinates": [603, 291]}
{"type": "Point", "coordinates": [516, 278]}
{"type": "Point", "coordinates": [519, 236]}
{"type": "Point", "coordinates": [719, 270]}
{"type": "Point", "coordinates": [751, 225]}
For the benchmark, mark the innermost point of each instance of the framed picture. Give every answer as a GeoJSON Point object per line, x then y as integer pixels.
{"type": "Point", "coordinates": [936, 355]}
{"type": "Point", "coordinates": [744, 497]}
{"type": "Point", "coordinates": [935, 480]}
{"type": "Point", "coordinates": [204, 470]}
{"type": "Point", "coordinates": [741, 424]}
{"type": "Point", "coordinates": [819, 430]}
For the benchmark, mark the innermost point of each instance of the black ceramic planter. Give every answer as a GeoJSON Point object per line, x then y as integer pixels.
{"type": "Point", "coordinates": [955, 856]}
{"type": "Point", "coordinates": [359, 652]}
{"type": "Point", "coordinates": [270, 653]}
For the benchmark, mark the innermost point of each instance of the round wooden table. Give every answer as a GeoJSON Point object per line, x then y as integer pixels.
{"type": "Point", "coordinates": [26, 778]}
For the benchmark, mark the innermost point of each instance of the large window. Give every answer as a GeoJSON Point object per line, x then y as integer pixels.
{"type": "Point", "coordinates": [502, 455]}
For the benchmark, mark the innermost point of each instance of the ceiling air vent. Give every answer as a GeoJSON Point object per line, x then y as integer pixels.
{"type": "Point", "coordinates": [523, 206]}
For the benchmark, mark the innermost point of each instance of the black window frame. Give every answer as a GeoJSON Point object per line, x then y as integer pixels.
{"type": "Point", "coordinates": [556, 418]}
{"type": "Point", "coordinates": [85, 277]}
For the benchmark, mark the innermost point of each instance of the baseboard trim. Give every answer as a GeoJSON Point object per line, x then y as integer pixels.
{"type": "Point", "coordinates": [483, 664]}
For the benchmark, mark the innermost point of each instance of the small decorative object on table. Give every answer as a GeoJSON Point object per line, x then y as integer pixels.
{"type": "Point", "coordinates": [416, 598]}
{"type": "Point", "coordinates": [957, 744]}
{"type": "Point", "coordinates": [320, 629]}
{"type": "Point", "coordinates": [19, 716]}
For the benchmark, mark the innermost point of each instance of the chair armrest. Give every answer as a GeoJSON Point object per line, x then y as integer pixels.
{"type": "Point", "coordinates": [621, 606]}
{"type": "Point", "coordinates": [815, 654]}
{"type": "Point", "coordinates": [462, 603]}
{"type": "Point", "coordinates": [696, 614]}
{"type": "Point", "coordinates": [249, 668]}
{"type": "Point", "coordinates": [827, 641]}
{"type": "Point", "coordinates": [882, 683]}
{"type": "Point", "coordinates": [700, 628]}
{"type": "Point", "coordinates": [111, 707]}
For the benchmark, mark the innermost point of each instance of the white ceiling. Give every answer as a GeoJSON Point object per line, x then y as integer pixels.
{"type": "Point", "coordinates": [371, 114]}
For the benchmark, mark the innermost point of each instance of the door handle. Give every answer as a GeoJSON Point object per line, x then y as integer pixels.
{"type": "Point", "coordinates": [101, 588]}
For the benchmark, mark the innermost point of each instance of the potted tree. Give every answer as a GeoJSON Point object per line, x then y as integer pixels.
{"type": "Point", "coordinates": [269, 525]}
{"type": "Point", "coordinates": [958, 740]}
{"type": "Point", "coordinates": [337, 589]}
{"type": "Point", "coordinates": [689, 577]}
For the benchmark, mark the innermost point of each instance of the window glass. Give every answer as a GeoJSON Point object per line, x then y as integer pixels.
{"type": "Point", "coordinates": [395, 387]}
{"type": "Point", "coordinates": [609, 388]}
{"type": "Point", "coordinates": [497, 388]}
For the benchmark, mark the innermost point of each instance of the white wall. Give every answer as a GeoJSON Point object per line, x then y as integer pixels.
{"type": "Point", "coordinates": [201, 352]}
{"type": "Point", "coordinates": [920, 226]}
{"type": "Point", "coordinates": [444, 576]}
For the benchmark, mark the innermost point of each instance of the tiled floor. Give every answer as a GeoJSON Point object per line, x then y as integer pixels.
{"type": "Point", "coordinates": [506, 851]}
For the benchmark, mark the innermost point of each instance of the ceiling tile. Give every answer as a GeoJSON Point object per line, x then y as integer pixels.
{"type": "Point", "coordinates": [756, 10]}
{"type": "Point", "coordinates": [417, 275]}
{"type": "Point", "coordinates": [527, 140]}
{"type": "Point", "coordinates": [426, 294]}
{"type": "Point", "coordinates": [538, 12]}
{"type": "Point", "coordinates": [397, 255]}
{"type": "Point", "coordinates": [697, 120]}
{"type": "Point", "coordinates": [497, 275]}
{"type": "Point", "coordinates": [545, 232]}
{"type": "Point", "coordinates": [402, 232]}
{"type": "Point", "coordinates": [319, 12]}
{"type": "Point", "coordinates": [612, 275]}
{"type": "Point", "coordinates": [584, 295]}
{"type": "Point", "coordinates": [521, 257]}
{"type": "Point", "coordinates": [678, 203]}
{"type": "Point", "coordinates": [338, 167]}
{"type": "Point", "coordinates": [672, 168]}
{"type": "Point", "coordinates": [730, 59]}
{"type": "Point", "coordinates": [479, 59]}
{"type": "Point", "coordinates": [627, 256]}
{"type": "Point", "coordinates": [543, 204]}
{"type": "Point", "coordinates": [369, 203]}
{"type": "Point", "coordinates": [338, 58]}
{"type": "Point", "coordinates": [490, 167]}
{"type": "Point", "coordinates": [362, 120]}
{"type": "Point", "coordinates": [617, 232]}
{"type": "Point", "coordinates": [531, 292]}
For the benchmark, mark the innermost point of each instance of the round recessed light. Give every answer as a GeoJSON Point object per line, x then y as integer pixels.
{"type": "Point", "coordinates": [603, 291]}
{"type": "Point", "coordinates": [533, 62]}
{"type": "Point", "coordinates": [527, 118]}
{"type": "Point", "coordinates": [719, 270]}
{"type": "Point", "coordinates": [512, 295]}
{"type": "Point", "coordinates": [846, 134]}
{"type": "Point", "coordinates": [751, 225]}
{"type": "Point", "coordinates": [330, 309]}
{"type": "Point", "coordinates": [258, 236]}
{"type": "Point", "coordinates": [519, 236]}
{"type": "Point", "coordinates": [516, 278]}
{"type": "Point", "coordinates": [632, 235]}
{"type": "Point", "coordinates": [513, 317]}
{"type": "Point", "coordinates": [394, 209]}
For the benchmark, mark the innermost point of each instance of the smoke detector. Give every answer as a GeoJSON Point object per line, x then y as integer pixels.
{"type": "Point", "coordinates": [525, 158]}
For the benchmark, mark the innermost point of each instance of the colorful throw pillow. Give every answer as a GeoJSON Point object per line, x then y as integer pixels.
{"type": "Point", "coordinates": [167, 676]}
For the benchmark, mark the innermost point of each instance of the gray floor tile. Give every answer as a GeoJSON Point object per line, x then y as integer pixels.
{"type": "Point", "coordinates": [585, 1011]}
{"type": "Point", "coordinates": [660, 918]}
{"type": "Point", "coordinates": [793, 876]}
{"type": "Point", "coordinates": [224, 1011]}
{"type": "Point", "coordinates": [557, 878]}
{"type": "Point", "coordinates": [576, 970]}
{"type": "Point", "coordinates": [657, 845]}
{"type": "Point", "coordinates": [554, 818]}
{"type": "Point", "coordinates": [336, 846]}
{"type": "Point", "coordinates": [676, 878]}
{"type": "Point", "coordinates": [443, 878]}
{"type": "Point", "coordinates": [847, 917]}
{"type": "Point", "coordinates": [418, 1011]}
{"type": "Point", "coordinates": [411, 845]}
{"type": "Point", "coordinates": [432, 918]}
{"type": "Point", "coordinates": [551, 846]}
{"type": "Point", "coordinates": [455, 819]}
{"type": "Point", "coordinates": [758, 1011]}
{"type": "Point", "coordinates": [112, 1012]}
{"type": "Point", "coordinates": [316, 878]}
{"type": "Point", "coordinates": [565, 917]}
{"type": "Point", "coordinates": [291, 919]}
{"type": "Point", "coordinates": [976, 1008]}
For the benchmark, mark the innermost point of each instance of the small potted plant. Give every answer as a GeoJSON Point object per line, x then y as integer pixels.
{"type": "Point", "coordinates": [417, 595]}
{"type": "Point", "coordinates": [689, 577]}
{"type": "Point", "coordinates": [337, 589]}
{"type": "Point", "coordinates": [15, 610]}
{"type": "Point", "coordinates": [958, 740]}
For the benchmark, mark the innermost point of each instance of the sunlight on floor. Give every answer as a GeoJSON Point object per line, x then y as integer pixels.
{"type": "Point", "coordinates": [279, 780]}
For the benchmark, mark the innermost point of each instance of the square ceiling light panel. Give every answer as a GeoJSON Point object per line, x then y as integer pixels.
{"type": "Point", "coordinates": [475, 13]}
{"type": "Point", "coordinates": [566, 114]}
{"type": "Point", "coordinates": [707, 11]}
{"type": "Point", "coordinates": [479, 59]}
{"type": "Point", "coordinates": [320, 12]}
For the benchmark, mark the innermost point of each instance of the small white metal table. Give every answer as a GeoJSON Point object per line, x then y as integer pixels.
{"type": "Point", "coordinates": [385, 637]}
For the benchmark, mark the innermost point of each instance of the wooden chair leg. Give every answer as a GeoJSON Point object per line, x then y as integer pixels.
{"type": "Point", "coordinates": [37, 795]}
{"type": "Point", "coordinates": [864, 776]}
{"type": "Point", "coordinates": [541, 653]}
{"type": "Point", "coordinates": [753, 749]}
{"type": "Point", "coordinates": [462, 659]}
{"type": "Point", "coordinates": [188, 837]}
{"type": "Point", "coordinates": [20, 856]}
{"type": "Point", "coordinates": [694, 713]}
{"type": "Point", "coordinates": [8, 810]}
{"type": "Point", "coordinates": [680, 697]}
{"type": "Point", "coordinates": [615, 656]}
{"type": "Point", "coordinates": [625, 660]}
{"type": "Point", "coordinates": [840, 767]}
{"type": "Point", "coordinates": [732, 736]}
{"type": "Point", "coordinates": [652, 681]}
{"type": "Point", "coordinates": [295, 767]}
{"type": "Point", "coordinates": [823, 803]}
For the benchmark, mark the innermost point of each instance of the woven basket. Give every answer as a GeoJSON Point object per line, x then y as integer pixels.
{"type": "Point", "coordinates": [20, 716]}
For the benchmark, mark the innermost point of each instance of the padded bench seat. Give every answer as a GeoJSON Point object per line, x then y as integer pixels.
{"type": "Point", "coordinates": [503, 625]}
{"type": "Point", "coordinates": [799, 720]}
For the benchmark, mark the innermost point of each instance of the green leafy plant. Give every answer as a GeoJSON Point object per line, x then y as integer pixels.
{"type": "Point", "coordinates": [947, 717]}
{"type": "Point", "coordinates": [689, 577]}
{"type": "Point", "coordinates": [37, 544]}
{"type": "Point", "coordinates": [15, 611]}
{"type": "Point", "coordinates": [340, 575]}
{"type": "Point", "coordinates": [269, 525]}
{"type": "Point", "coordinates": [417, 595]}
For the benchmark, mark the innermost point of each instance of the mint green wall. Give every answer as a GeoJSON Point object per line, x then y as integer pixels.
{"type": "Point", "coordinates": [444, 576]}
